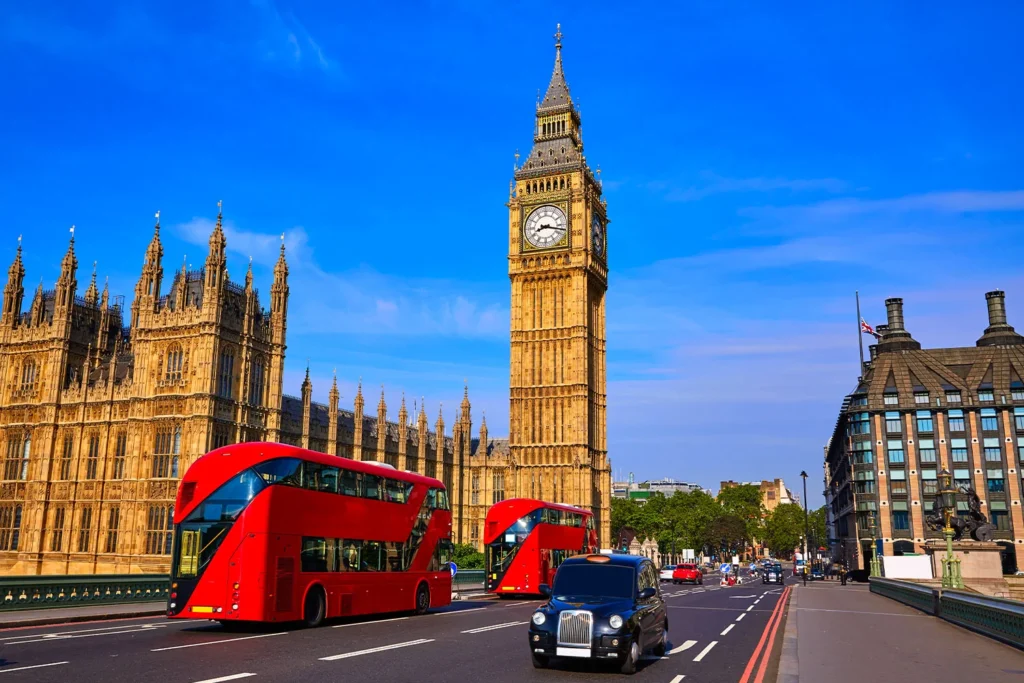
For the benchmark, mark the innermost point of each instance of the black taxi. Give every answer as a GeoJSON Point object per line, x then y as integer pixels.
{"type": "Point", "coordinates": [606, 607]}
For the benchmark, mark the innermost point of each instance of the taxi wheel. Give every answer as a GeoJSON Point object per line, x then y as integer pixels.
{"type": "Point", "coordinates": [632, 657]}
{"type": "Point", "coordinates": [539, 661]}
{"type": "Point", "coordinates": [662, 647]}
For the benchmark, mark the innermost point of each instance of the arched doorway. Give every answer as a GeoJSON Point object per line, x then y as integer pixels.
{"type": "Point", "coordinates": [1008, 556]}
{"type": "Point", "coordinates": [902, 548]}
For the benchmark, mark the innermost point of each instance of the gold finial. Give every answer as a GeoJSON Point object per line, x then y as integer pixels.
{"type": "Point", "coordinates": [72, 233]}
{"type": "Point", "coordinates": [19, 242]}
{"type": "Point", "coordinates": [558, 36]}
{"type": "Point", "coordinates": [157, 215]}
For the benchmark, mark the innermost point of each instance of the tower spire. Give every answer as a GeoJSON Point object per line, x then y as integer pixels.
{"type": "Point", "coordinates": [92, 293]}
{"type": "Point", "coordinates": [14, 291]}
{"type": "Point", "coordinates": [557, 94]}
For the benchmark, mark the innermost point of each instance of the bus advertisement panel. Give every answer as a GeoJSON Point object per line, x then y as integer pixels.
{"type": "Point", "coordinates": [267, 532]}
{"type": "Point", "coordinates": [525, 540]}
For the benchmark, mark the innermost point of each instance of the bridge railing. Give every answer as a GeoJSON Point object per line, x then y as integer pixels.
{"type": "Point", "coordinates": [40, 592]}
{"type": "Point", "coordinates": [995, 617]}
{"type": "Point", "coordinates": [468, 580]}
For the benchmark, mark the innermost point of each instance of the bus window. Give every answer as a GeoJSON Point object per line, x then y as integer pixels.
{"type": "Point", "coordinates": [392, 557]}
{"type": "Point", "coordinates": [313, 557]}
{"type": "Point", "coordinates": [371, 561]}
{"type": "Point", "coordinates": [371, 486]}
{"type": "Point", "coordinates": [286, 471]}
{"type": "Point", "coordinates": [394, 491]}
{"type": "Point", "coordinates": [329, 479]}
{"type": "Point", "coordinates": [350, 553]}
{"type": "Point", "coordinates": [349, 484]}
{"type": "Point", "coordinates": [440, 499]}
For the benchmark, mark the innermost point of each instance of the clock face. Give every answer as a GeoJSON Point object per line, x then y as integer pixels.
{"type": "Point", "coordinates": [545, 227]}
{"type": "Point", "coordinates": [597, 236]}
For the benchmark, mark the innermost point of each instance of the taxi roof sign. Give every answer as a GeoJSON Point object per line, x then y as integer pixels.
{"type": "Point", "coordinates": [598, 558]}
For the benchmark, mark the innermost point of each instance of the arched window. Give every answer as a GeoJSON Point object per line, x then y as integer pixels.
{"type": "Point", "coordinates": [227, 367]}
{"type": "Point", "coordinates": [175, 451]}
{"type": "Point", "coordinates": [10, 527]}
{"type": "Point", "coordinates": [256, 386]}
{"type": "Point", "coordinates": [28, 375]}
{"type": "Point", "coordinates": [175, 359]}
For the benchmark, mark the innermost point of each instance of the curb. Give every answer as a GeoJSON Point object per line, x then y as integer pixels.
{"type": "Point", "coordinates": [789, 662]}
{"type": "Point", "coordinates": [46, 621]}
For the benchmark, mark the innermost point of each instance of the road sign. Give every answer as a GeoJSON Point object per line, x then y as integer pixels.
{"type": "Point", "coordinates": [454, 567]}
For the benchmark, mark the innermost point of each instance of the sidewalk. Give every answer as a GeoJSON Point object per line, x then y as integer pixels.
{"type": "Point", "coordinates": [62, 615]}
{"type": "Point", "coordinates": [846, 634]}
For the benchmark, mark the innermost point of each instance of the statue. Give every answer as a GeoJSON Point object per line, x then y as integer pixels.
{"type": "Point", "coordinates": [976, 523]}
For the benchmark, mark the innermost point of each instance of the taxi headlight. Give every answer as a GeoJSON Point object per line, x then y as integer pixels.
{"type": "Point", "coordinates": [539, 618]}
{"type": "Point", "coordinates": [615, 621]}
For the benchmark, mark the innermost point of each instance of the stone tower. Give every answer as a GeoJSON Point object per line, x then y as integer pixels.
{"type": "Point", "coordinates": [559, 275]}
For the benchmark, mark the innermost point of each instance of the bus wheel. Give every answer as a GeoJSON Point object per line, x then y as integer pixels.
{"type": "Point", "coordinates": [314, 609]}
{"type": "Point", "coordinates": [422, 599]}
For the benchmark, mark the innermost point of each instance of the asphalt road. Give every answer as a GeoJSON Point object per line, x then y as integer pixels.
{"type": "Point", "coordinates": [713, 633]}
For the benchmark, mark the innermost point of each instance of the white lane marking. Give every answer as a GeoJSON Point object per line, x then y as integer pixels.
{"type": "Point", "coordinates": [685, 646]}
{"type": "Point", "coordinates": [740, 617]}
{"type": "Point", "coordinates": [741, 597]}
{"type": "Point", "coordinates": [727, 629]}
{"type": "Point", "coordinates": [496, 626]}
{"type": "Point", "coordinates": [757, 601]}
{"type": "Point", "coordinates": [232, 677]}
{"type": "Point", "coordinates": [216, 642]}
{"type": "Point", "coordinates": [457, 611]}
{"type": "Point", "coordinates": [705, 651]}
{"type": "Point", "coordinates": [750, 608]}
{"type": "Point", "coordinates": [34, 666]}
{"type": "Point", "coordinates": [52, 637]}
{"type": "Point", "coordinates": [364, 623]}
{"type": "Point", "coordinates": [332, 658]}
{"type": "Point", "coordinates": [55, 634]}
{"type": "Point", "coordinates": [677, 678]}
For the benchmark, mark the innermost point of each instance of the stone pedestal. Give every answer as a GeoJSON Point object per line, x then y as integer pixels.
{"type": "Point", "coordinates": [981, 565]}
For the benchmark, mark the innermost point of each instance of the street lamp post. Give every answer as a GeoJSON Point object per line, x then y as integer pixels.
{"type": "Point", "coordinates": [950, 564]}
{"type": "Point", "coordinates": [807, 533]}
{"type": "Point", "coordinates": [876, 565]}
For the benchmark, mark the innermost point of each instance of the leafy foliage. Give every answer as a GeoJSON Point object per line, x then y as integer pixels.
{"type": "Point", "coordinates": [784, 529]}
{"type": "Point", "coordinates": [467, 557]}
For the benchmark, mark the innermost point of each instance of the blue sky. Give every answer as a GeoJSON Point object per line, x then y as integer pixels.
{"type": "Point", "coordinates": [761, 163]}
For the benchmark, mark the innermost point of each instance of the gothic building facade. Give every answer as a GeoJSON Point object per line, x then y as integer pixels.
{"type": "Point", "coordinates": [101, 409]}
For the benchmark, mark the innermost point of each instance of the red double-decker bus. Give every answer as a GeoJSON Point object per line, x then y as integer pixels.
{"type": "Point", "coordinates": [268, 532]}
{"type": "Point", "coordinates": [525, 541]}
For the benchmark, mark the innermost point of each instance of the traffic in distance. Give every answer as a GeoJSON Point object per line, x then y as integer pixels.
{"type": "Point", "coordinates": [267, 532]}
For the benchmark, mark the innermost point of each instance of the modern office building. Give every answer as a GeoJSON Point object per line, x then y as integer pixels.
{"type": "Point", "coordinates": [916, 411]}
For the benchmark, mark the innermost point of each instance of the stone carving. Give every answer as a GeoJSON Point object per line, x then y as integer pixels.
{"type": "Point", "coordinates": [976, 523]}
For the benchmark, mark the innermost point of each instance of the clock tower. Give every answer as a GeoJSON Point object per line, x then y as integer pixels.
{"type": "Point", "coordinates": [558, 251]}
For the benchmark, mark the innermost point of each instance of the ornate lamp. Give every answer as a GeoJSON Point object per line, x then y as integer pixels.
{"type": "Point", "coordinates": [951, 577]}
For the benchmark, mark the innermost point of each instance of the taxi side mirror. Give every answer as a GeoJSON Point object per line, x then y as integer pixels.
{"type": "Point", "coordinates": [647, 593]}
{"type": "Point", "coordinates": [545, 590]}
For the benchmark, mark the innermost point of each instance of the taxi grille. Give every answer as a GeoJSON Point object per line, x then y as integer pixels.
{"type": "Point", "coordinates": [575, 627]}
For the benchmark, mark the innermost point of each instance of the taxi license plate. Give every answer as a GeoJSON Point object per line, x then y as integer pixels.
{"type": "Point", "coordinates": [572, 651]}
{"type": "Point", "coordinates": [203, 610]}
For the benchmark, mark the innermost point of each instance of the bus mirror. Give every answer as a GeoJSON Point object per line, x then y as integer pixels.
{"type": "Point", "coordinates": [545, 590]}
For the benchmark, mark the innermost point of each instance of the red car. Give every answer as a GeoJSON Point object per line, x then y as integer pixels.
{"type": "Point", "coordinates": [686, 573]}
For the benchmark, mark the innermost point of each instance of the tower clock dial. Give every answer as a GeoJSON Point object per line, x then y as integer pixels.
{"type": "Point", "coordinates": [545, 227]}
{"type": "Point", "coordinates": [597, 236]}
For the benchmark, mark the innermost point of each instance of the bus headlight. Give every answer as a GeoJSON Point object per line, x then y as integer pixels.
{"type": "Point", "coordinates": [615, 621]}
{"type": "Point", "coordinates": [539, 618]}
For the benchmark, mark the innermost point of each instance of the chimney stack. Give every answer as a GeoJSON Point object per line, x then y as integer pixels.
{"type": "Point", "coordinates": [894, 335]}
{"type": "Point", "coordinates": [998, 332]}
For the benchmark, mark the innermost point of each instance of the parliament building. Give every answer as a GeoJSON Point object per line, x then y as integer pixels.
{"type": "Point", "coordinates": [102, 408]}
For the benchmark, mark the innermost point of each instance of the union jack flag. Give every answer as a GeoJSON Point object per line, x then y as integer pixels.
{"type": "Point", "coordinates": [864, 327]}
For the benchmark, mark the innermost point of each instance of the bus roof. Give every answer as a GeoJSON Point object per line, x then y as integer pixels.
{"type": "Point", "coordinates": [517, 507]}
{"type": "Point", "coordinates": [219, 465]}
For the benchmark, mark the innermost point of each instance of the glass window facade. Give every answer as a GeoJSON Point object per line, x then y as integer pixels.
{"type": "Point", "coordinates": [895, 449]}
{"type": "Point", "coordinates": [862, 453]}
{"type": "Point", "coordinates": [993, 450]}
{"type": "Point", "coordinates": [926, 450]}
{"type": "Point", "coordinates": [892, 423]}
{"type": "Point", "coordinates": [989, 420]}
{"type": "Point", "coordinates": [958, 450]}
{"type": "Point", "coordinates": [891, 399]}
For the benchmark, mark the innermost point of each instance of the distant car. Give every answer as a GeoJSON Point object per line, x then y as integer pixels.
{"type": "Point", "coordinates": [602, 607]}
{"type": "Point", "coordinates": [817, 575]}
{"type": "Point", "coordinates": [666, 572]}
{"type": "Point", "coordinates": [773, 574]}
{"type": "Point", "coordinates": [688, 573]}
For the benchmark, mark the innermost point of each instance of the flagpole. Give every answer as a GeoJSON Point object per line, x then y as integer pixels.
{"type": "Point", "coordinates": [860, 334]}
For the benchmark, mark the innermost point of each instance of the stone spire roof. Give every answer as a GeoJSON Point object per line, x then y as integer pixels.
{"type": "Point", "coordinates": [92, 292]}
{"type": "Point", "coordinates": [69, 264]}
{"type": "Point", "coordinates": [557, 95]}
{"type": "Point", "coordinates": [281, 267]}
{"type": "Point", "coordinates": [155, 250]}
{"type": "Point", "coordinates": [16, 273]}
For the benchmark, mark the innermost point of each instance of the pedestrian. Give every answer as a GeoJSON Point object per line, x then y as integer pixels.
{"type": "Point", "coordinates": [805, 575]}
{"type": "Point", "coordinates": [842, 574]}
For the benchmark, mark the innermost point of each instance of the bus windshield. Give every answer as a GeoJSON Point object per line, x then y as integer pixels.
{"type": "Point", "coordinates": [204, 529]}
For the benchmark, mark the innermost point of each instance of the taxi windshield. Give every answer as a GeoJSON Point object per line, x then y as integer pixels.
{"type": "Point", "coordinates": [597, 580]}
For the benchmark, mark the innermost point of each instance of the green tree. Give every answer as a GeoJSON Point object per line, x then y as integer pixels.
{"type": "Point", "coordinates": [729, 534]}
{"type": "Point", "coordinates": [744, 501]}
{"type": "Point", "coordinates": [467, 557]}
{"type": "Point", "coordinates": [784, 528]}
{"type": "Point", "coordinates": [819, 529]}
